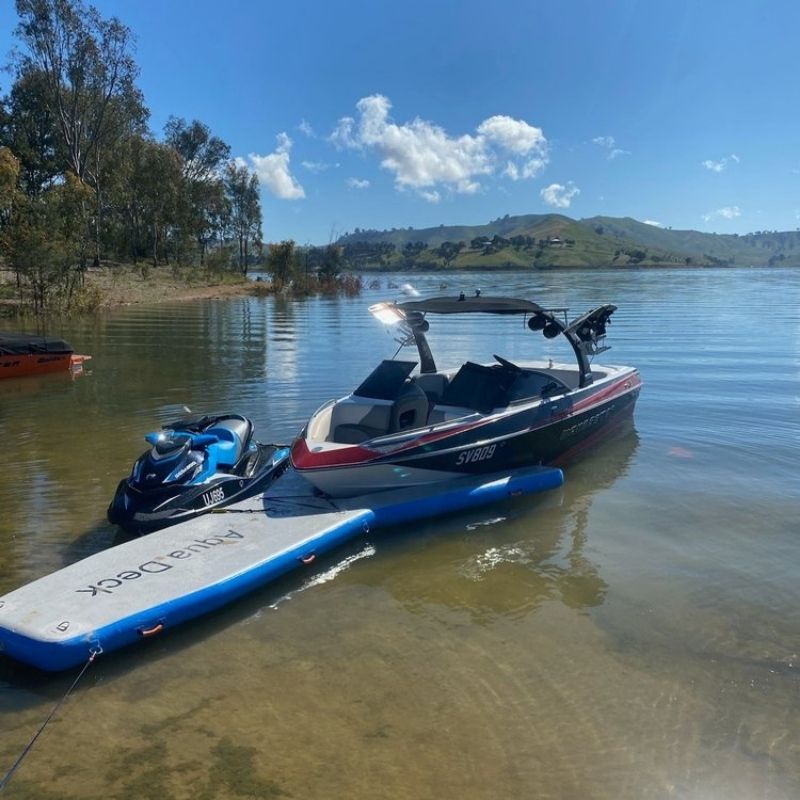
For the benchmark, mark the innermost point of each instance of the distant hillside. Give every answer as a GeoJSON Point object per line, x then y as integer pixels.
{"type": "Point", "coordinates": [554, 240]}
{"type": "Point", "coordinates": [754, 249]}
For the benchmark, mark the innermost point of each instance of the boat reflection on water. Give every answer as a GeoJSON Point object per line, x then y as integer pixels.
{"type": "Point", "coordinates": [514, 558]}
{"type": "Point", "coordinates": [49, 381]}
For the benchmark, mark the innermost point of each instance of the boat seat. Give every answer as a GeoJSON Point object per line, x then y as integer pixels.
{"type": "Point", "coordinates": [478, 387]}
{"type": "Point", "coordinates": [409, 410]}
{"type": "Point", "coordinates": [233, 433]}
{"type": "Point", "coordinates": [433, 384]}
{"type": "Point", "coordinates": [355, 419]}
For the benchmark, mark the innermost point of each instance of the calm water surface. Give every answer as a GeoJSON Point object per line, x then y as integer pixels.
{"type": "Point", "coordinates": [635, 635]}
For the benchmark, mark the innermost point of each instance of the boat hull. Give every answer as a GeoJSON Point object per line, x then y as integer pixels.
{"type": "Point", "coordinates": [17, 366]}
{"type": "Point", "coordinates": [547, 434]}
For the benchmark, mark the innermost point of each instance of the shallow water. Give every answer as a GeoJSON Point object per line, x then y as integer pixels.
{"type": "Point", "coordinates": [634, 635]}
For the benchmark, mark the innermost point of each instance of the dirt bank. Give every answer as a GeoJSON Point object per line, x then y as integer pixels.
{"type": "Point", "coordinates": [124, 284]}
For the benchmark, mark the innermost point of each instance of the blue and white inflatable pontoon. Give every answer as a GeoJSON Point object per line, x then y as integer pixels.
{"type": "Point", "coordinates": [148, 585]}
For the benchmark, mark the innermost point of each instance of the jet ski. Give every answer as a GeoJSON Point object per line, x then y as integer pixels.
{"type": "Point", "coordinates": [194, 465]}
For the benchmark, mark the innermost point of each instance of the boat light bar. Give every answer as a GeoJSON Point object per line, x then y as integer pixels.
{"type": "Point", "coordinates": [387, 313]}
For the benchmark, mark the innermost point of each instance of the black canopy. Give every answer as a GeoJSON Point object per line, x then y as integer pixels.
{"type": "Point", "coordinates": [461, 305]}
{"type": "Point", "coordinates": [23, 344]}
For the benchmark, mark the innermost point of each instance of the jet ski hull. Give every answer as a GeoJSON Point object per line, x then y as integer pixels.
{"type": "Point", "coordinates": [141, 512]}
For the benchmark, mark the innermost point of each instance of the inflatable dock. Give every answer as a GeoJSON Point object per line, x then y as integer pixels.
{"type": "Point", "coordinates": [145, 586]}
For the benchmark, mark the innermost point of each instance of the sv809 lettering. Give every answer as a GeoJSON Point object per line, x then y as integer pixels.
{"type": "Point", "coordinates": [478, 454]}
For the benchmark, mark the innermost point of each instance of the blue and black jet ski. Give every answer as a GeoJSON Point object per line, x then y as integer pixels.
{"type": "Point", "coordinates": [195, 465]}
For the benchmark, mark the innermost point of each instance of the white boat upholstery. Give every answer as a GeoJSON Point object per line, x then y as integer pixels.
{"type": "Point", "coordinates": [355, 419]}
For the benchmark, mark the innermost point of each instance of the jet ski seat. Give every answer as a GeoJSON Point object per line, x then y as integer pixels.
{"type": "Point", "coordinates": [233, 433]}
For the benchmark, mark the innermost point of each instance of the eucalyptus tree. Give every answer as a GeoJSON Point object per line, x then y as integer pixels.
{"type": "Point", "coordinates": [241, 191]}
{"type": "Point", "coordinates": [29, 128]}
{"type": "Point", "coordinates": [41, 237]}
{"type": "Point", "coordinates": [9, 175]}
{"type": "Point", "coordinates": [281, 258]}
{"type": "Point", "coordinates": [89, 76]}
{"type": "Point", "coordinates": [158, 183]}
{"type": "Point", "coordinates": [203, 198]}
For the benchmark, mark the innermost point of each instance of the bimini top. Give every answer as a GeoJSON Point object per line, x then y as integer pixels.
{"type": "Point", "coordinates": [23, 344]}
{"type": "Point", "coordinates": [462, 305]}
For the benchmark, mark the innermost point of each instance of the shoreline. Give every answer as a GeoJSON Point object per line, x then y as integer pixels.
{"type": "Point", "coordinates": [116, 286]}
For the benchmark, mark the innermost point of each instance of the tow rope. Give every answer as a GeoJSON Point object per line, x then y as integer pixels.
{"type": "Point", "coordinates": [93, 653]}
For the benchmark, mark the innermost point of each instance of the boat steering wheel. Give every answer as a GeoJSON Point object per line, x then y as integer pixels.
{"type": "Point", "coordinates": [507, 364]}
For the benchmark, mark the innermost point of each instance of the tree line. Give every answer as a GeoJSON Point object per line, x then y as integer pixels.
{"type": "Point", "coordinates": [365, 253]}
{"type": "Point", "coordinates": [84, 180]}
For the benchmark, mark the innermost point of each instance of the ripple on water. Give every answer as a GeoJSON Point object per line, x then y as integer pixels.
{"type": "Point", "coordinates": [633, 635]}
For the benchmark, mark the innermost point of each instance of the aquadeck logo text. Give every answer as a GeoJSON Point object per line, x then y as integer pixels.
{"type": "Point", "coordinates": [159, 565]}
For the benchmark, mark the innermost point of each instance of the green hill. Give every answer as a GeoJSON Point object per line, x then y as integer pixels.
{"type": "Point", "coordinates": [753, 249]}
{"type": "Point", "coordinates": [554, 240]}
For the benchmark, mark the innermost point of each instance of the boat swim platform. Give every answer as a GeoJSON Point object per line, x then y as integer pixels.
{"type": "Point", "coordinates": [150, 584]}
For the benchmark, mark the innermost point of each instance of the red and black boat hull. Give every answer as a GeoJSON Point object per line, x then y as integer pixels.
{"type": "Point", "coordinates": [547, 433]}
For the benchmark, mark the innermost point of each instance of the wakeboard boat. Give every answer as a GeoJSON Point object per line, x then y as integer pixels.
{"type": "Point", "coordinates": [402, 428]}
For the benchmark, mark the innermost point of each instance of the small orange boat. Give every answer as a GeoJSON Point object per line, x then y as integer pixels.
{"type": "Point", "coordinates": [24, 354]}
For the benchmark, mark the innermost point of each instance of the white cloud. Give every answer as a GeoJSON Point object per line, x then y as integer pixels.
{"type": "Point", "coordinates": [531, 168]}
{"type": "Point", "coordinates": [559, 196]}
{"type": "Point", "coordinates": [609, 144]}
{"type": "Point", "coordinates": [653, 223]}
{"type": "Point", "coordinates": [728, 212]}
{"type": "Point", "coordinates": [424, 157]}
{"type": "Point", "coordinates": [715, 166]}
{"type": "Point", "coordinates": [722, 164]}
{"type": "Point", "coordinates": [317, 166]}
{"type": "Point", "coordinates": [273, 171]}
{"type": "Point", "coordinates": [342, 136]}
{"type": "Point", "coordinates": [514, 135]}
{"type": "Point", "coordinates": [358, 183]}
{"type": "Point", "coordinates": [305, 127]}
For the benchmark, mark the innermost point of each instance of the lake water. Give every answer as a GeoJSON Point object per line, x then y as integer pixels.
{"type": "Point", "coordinates": [634, 635]}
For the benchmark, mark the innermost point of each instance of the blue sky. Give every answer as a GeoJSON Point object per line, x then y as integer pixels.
{"type": "Point", "coordinates": [380, 115]}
